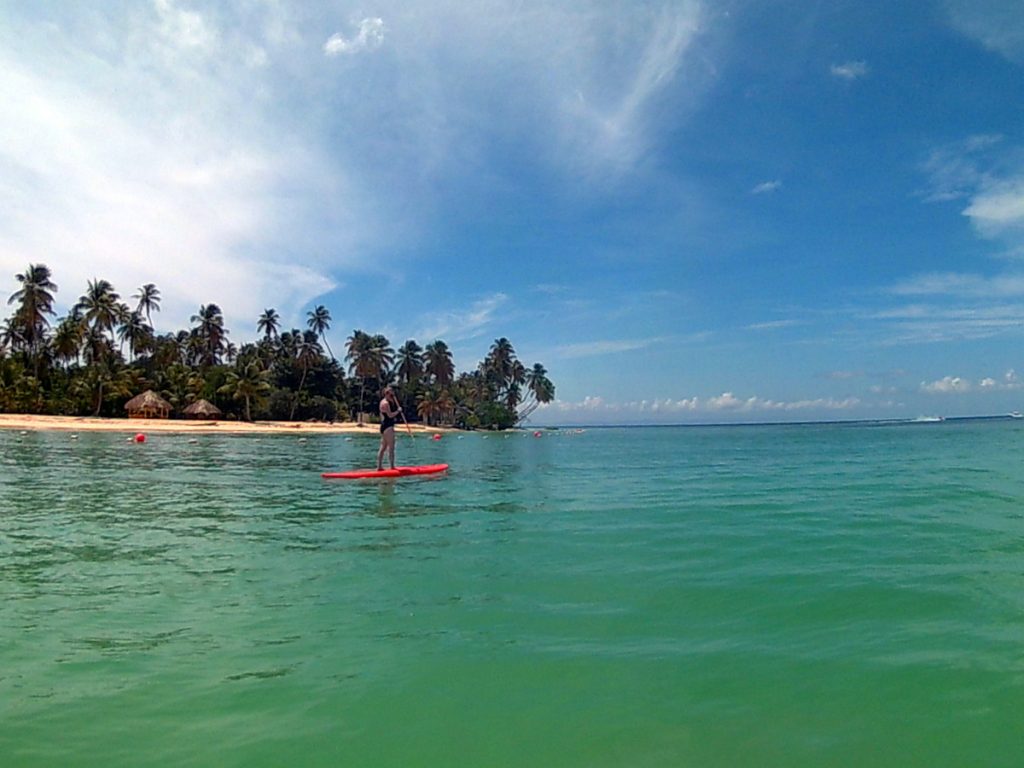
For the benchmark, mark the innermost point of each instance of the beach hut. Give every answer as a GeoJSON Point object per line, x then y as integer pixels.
{"type": "Point", "coordinates": [148, 405]}
{"type": "Point", "coordinates": [202, 409]}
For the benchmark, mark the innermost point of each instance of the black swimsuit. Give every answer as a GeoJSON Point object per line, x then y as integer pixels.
{"type": "Point", "coordinates": [386, 422]}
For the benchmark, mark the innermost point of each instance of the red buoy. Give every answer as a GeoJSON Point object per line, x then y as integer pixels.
{"type": "Point", "coordinates": [436, 437]}
{"type": "Point", "coordinates": [536, 434]}
{"type": "Point", "coordinates": [140, 438]}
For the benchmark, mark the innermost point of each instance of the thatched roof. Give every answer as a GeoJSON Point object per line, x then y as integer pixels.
{"type": "Point", "coordinates": [204, 409]}
{"type": "Point", "coordinates": [148, 400]}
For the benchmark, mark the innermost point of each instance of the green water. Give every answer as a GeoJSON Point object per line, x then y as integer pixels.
{"type": "Point", "coordinates": [746, 596]}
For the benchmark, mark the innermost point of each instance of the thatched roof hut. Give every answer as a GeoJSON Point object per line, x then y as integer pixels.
{"type": "Point", "coordinates": [202, 409]}
{"type": "Point", "coordinates": [148, 405]}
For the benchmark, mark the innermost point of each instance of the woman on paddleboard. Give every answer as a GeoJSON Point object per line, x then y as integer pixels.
{"type": "Point", "coordinates": [390, 410]}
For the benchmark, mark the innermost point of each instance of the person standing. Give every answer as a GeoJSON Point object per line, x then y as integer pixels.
{"type": "Point", "coordinates": [390, 410]}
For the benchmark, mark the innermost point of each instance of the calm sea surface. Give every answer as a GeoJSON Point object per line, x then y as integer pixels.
{"type": "Point", "coordinates": [847, 595]}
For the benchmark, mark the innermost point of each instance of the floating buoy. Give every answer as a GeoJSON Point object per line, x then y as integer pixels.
{"type": "Point", "coordinates": [74, 437]}
{"type": "Point", "coordinates": [140, 438]}
{"type": "Point", "coordinates": [436, 437]}
{"type": "Point", "coordinates": [536, 434]}
{"type": "Point", "coordinates": [302, 439]}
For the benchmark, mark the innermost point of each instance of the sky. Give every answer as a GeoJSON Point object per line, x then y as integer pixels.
{"type": "Point", "coordinates": [688, 212]}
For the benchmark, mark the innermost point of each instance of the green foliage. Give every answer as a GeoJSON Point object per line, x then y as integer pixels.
{"type": "Point", "coordinates": [92, 361]}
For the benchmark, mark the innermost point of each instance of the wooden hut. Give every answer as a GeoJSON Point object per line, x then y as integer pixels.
{"type": "Point", "coordinates": [202, 409]}
{"type": "Point", "coordinates": [148, 405]}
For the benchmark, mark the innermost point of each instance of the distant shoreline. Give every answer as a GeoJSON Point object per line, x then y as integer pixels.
{"type": "Point", "coordinates": [29, 422]}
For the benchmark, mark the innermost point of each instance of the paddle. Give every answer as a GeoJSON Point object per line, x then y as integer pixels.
{"type": "Point", "coordinates": [402, 414]}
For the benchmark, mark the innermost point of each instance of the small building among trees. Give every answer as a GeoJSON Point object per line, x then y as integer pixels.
{"type": "Point", "coordinates": [148, 405]}
{"type": "Point", "coordinates": [203, 409]}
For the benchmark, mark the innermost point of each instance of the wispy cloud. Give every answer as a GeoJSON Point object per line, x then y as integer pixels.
{"type": "Point", "coordinates": [773, 325]}
{"type": "Point", "coordinates": [850, 70]}
{"type": "Point", "coordinates": [766, 187]}
{"type": "Point", "coordinates": [369, 37]}
{"type": "Point", "coordinates": [459, 325]}
{"type": "Point", "coordinates": [605, 347]}
{"type": "Point", "coordinates": [961, 285]}
{"type": "Point", "coordinates": [996, 24]}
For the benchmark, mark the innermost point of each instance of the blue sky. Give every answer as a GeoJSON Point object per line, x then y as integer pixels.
{"type": "Point", "coordinates": [688, 211]}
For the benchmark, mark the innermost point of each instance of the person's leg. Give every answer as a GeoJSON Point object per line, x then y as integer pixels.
{"type": "Point", "coordinates": [380, 451]}
{"type": "Point", "coordinates": [391, 446]}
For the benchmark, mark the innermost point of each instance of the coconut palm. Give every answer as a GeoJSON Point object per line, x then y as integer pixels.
{"type": "Point", "coordinates": [149, 301]}
{"type": "Point", "coordinates": [136, 332]}
{"type": "Point", "coordinates": [439, 365]}
{"type": "Point", "coordinates": [269, 324]}
{"type": "Point", "coordinates": [210, 333]}
{"type": "Point", "coordinates": [307, 354]}
{"type": "Point", "coordinates": [100, 307]}
{"type": "Point", "coordinates": [320, 322]}
{"type": "Point", "coordinates": [34, 299]}
{"type": "Point", "coordinates": [410, 363]}
{"type": "Point", "coordinates": [358, 356]}
{"type": "Point", "coordinates": [69, 338]}
{"type": "Point", "coordinates": [248, 383]}
{"type": "Point", "coordinates": [500, 363]}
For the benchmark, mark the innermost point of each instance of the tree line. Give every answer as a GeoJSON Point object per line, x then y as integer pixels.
{"type": "Point", "coordinates": [106, 350]}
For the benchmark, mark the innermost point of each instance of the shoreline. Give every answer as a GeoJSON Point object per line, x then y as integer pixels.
{"type": "Point", "coordinates": [33, 422]}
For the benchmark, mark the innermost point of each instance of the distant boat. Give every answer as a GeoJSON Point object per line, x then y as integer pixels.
{"type": "Point", "coordinates": [929, 419]}
{"type": "Point", "coordinates": [1016, 415]}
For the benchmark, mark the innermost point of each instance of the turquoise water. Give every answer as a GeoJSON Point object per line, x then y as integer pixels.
{"type": "Point", "coordinates": [745, 596]}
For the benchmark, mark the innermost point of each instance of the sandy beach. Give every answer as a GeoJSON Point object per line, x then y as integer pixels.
{"type": "Point", "coordinates": [90, 424]}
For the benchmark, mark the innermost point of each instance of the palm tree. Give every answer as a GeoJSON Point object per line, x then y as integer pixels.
{"type": "Point", "coordinates": [27, 328]}
{"type": "Point", "coordinates": [320, 322]}
{"type": "Point", "coordinates": [540, 390]}
{"type": "Point", "coordinates": [269, 324]}
{"type": "Point", "coordinates": [428, 406]}
{"type": "Point", "coordinates": [149, 300]}
{"type": "Point", "coordinates": [500, 362]}
{"type": "Point", "coordinates": [410, 363]}
{"type": "Point", "coordinates": [100, 307]}
{"type": "Point", "coordinates": [69, 338]}
{"type": "Point", "coordinates": [357, 345]}
{"type": "Point", "coordinates": [210, 333]}
{"type": "Point", "coordinates": [307, 354]}
{"type": "Point", "coordinates": [248, 383]}
{"type": "Point", "coordinates": [438, 359]}
{"type": "Point", "coordinates": [136, 332]}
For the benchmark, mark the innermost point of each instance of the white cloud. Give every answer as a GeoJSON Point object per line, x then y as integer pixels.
{"type": "Point", "coordinates": [1008, 381]}
{"type": "Point", "coordinates": [850, 70]}
{"type": "Point", "coordinates": [605, 347]}
{"type": "Point", "coordinates": [369, 38]}
{"type": "Point", "coordinates": [668, 409]}
{"type": "Point", "coordinates": [946, 385]}
{"type": "Point", "coordinates": [772, 325]}
{"type": "Point", "coordinates": [766, 187]}
{"type": "Point", "coordinates": [141, 149]}
{"type": "Point", "coordinates": [960, 284]}
{"type": "Point", "coordinates": [996, 24]}
{"type": "Point", "coordinates": [458, 325]}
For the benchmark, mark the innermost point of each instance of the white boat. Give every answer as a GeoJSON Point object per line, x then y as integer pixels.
{"type": "Point", "coordinates": [1016, 415]}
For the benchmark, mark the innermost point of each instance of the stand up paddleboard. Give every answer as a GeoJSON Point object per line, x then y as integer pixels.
{"type": "Point", "coordinates": [361, 474]}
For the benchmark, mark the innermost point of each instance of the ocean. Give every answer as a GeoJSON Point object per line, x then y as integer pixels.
{"type": "Point", "coordinates": [808, 595]}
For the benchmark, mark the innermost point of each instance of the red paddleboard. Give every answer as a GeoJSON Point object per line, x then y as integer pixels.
{"type": "Point", "coordinates": [360, 474]}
